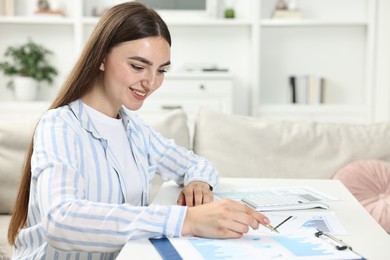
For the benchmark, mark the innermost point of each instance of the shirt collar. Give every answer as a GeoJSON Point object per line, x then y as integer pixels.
{"type": "Point", "coordinates": [81, 114]}
{"type": "Point", "coordinates": [78, 109]}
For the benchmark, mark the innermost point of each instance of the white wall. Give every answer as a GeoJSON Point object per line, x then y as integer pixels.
{"type": "Point", "coordinates": [226, 46]}
{"type": "Point", "coordinates": [382, 75]}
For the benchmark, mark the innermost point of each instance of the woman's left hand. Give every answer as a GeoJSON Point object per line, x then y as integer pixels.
{"type": "Point", "coordinates": [195, 193]}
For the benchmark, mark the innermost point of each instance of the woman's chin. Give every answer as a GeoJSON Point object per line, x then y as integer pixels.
{"type": "Point", "coordinates": [133, 107]}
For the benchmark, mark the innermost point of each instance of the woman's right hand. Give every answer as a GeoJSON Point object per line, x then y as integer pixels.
{"type": "Point", "coordinates": [221, 219]}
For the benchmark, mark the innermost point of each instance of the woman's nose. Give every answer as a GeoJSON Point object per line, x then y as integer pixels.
{"type": "Point", "coordinates": [149, 81]}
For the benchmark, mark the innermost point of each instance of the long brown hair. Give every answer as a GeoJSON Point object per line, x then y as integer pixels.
{"type": "Point", "coordinates": [124, 22]}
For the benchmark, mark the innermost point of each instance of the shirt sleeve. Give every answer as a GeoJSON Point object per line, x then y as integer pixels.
{"type": "Point", "coordinates": [178, 163]}
{"type": "Point", "coordinates": [67, 218]}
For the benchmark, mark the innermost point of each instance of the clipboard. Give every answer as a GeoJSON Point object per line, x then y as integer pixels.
{"type": "Point", "coordinates": [167, 250]}
{"type": "Point", "coordinates": [338, 243]}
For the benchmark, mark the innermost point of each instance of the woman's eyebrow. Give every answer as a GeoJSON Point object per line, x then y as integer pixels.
{"type": "Point", "coordinates": [148, 62]}
{"type": "Point", "coordinates": [165, 64]}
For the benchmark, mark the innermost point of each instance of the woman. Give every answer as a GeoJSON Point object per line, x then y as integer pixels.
{"type": "Point", "coordinates": [87, 176]}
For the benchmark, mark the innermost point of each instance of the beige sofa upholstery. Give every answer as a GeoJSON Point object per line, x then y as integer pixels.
{"type": "Point", "coordinates": [238, 146]}
{"type": "Point", "coordinates": [242, 146]}
{"type": "Point", "coordinates": [14, 140]}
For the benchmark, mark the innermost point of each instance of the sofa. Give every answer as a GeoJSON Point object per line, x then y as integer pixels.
{"type": "Point", "coordinates": [239, 146]}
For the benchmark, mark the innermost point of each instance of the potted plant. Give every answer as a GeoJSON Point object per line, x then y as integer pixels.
{"type": "Point", "coordinates": [27, 65]}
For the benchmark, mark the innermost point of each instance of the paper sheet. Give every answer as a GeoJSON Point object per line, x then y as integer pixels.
{"type": "Point", "coordinates": [257, 245]}
{"type": "Point", "coordinates": [238, 194]}
{"type": "Point", "coordinates": [325, 221]}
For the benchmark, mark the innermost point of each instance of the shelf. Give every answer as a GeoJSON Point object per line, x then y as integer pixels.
{"type": "Point", "coordinates": [23, 105]}
{"type": "Point", "coordinates": [189, 22]}
{"type": "Point", "coordinates": [90, 20]}
{"type": "Point", "coordinates": [310, 108]}
{"type": "Point", "coordinates": [46, 20]}
{"type": "Point", "coordinates": [10, 110]}
{"type": "Point", "coordinates": [185, 22]}
{"type": "Point", "coordinates": [309, 22]}
{"type": "Point", "coordinates": [321, 112]}
{"type": "Point", "coordinates": [334, 39]}
{"type": "Point", "coordinates": [208, 22]}
{"type": "Point", "coordinates": [197, 75]}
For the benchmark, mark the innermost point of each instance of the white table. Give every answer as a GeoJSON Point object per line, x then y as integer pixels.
{"type": "Point", "coordinates": [365, 235]}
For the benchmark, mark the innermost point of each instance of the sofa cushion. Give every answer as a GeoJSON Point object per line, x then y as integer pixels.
{"type": "Point", "coordinates": [5, 248]}
{"type": "Point", "coordinates": [369, 182]}
{"type": "Point", "coordinates": [241, 146]}
{"type": "Point", "coordinates": [172, 125]}
{"type": "Point", "coordinates": [15, 137]}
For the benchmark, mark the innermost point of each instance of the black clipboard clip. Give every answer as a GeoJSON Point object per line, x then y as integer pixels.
{"type": "Point", "coordinates": [338, 243]}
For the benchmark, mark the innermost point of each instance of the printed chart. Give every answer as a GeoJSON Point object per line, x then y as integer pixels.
{"type": "Point", "coordinates": [325, 221]}
{"type": "Point", "coordinates": [254, 246]}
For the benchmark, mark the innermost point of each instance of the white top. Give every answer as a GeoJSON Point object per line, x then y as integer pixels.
{"type": "Point", "coordinates": [114, 132]}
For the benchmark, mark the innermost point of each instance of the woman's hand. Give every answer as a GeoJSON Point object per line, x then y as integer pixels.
{"type": "Point", "coordinates": [221, 219]}
{"type": "Point", "coordinates": [195, 193]}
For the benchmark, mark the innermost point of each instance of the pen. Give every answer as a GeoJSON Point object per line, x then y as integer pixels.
{"type": "Point", "coordinates": [271, 228]}
{"type": "Point", "coordinates": [284, 221]}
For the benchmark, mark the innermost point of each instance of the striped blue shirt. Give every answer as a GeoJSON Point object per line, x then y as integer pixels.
{"type": "Point", "coordinates": [78, 208]}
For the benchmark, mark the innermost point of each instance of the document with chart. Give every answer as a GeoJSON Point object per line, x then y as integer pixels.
{"type": "Point", "coordinates": [296, 221]}
{"type": "Point", "coordinates": [255, 245]}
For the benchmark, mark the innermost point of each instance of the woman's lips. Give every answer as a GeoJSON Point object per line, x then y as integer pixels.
{"type": "Point", "coordinates": [138, 93]}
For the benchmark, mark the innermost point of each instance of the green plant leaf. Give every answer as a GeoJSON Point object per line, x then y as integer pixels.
{"type": "Point", "coordinates": [29, 60]}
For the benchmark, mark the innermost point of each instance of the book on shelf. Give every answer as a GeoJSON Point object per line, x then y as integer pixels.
{"type": "Point", "coordinates": [49, 13]}
{"type": "Point", "coordinates": [7, 8]}
{"type": "Point", "coordinates": [286, 14]}
{"type": "Point", "coordinates": [307, 89]}
{"type": "Point", "coordinates": [316, 89]}
{"type": "Point", "coordinates": [302, 90]}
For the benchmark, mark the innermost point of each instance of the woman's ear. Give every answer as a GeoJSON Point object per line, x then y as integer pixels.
{"type": "Point", "coordinates": [102, 66]}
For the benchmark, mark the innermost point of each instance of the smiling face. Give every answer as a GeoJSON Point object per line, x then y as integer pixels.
{"type": "Point", "coordinates": [131, 72]}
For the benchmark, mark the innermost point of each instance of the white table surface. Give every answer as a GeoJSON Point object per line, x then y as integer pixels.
{"type": "Point", "coordinates": [364, 234]}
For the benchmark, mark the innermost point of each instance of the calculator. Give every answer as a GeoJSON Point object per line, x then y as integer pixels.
{"type": "Point", "coordinates": [272, 202]}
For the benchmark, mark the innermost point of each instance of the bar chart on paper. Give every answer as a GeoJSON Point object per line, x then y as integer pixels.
{"type": "Point", "coordinates": [297, 246]}
{"type": "Point", "coordinates": [254, 246]}
{"type": "Point", "coordinates": [325, 221]}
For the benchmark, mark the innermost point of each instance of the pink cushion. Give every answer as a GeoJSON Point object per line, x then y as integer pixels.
{"type": "Point", "coordinates": [369, 182]}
